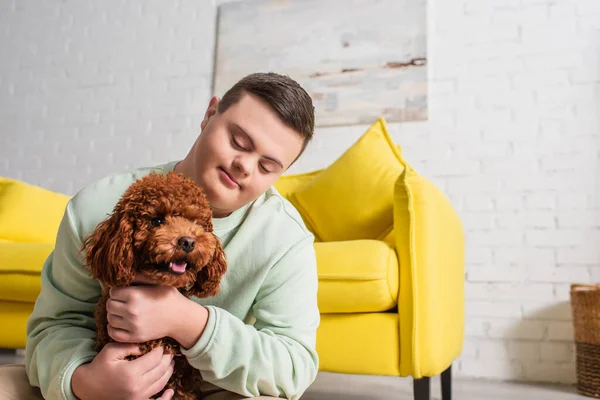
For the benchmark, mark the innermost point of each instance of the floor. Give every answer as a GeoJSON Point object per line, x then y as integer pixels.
{"type": "Point", "coordinates": [358, 387]}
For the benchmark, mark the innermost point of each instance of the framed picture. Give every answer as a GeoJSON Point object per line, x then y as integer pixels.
{"type": "Point", "coordinates": [358, 59]}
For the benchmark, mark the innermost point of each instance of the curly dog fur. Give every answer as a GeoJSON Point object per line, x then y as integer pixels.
{"type": "Point", "coordinates": [161, 226]}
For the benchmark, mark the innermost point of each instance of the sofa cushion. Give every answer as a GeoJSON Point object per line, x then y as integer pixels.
{"type": "Point", "coordinates": [353, 197]}
{"type": "Point", "coordinates": [359, 343]}
{"type": "Point", "coordinates": [14, 315]}
{"type": "Point", "coordinates": [357, 276]}
{"type": "Point", "coordinates": [20, 268]}
{"type": "Point", "coordinates": [29, 213]}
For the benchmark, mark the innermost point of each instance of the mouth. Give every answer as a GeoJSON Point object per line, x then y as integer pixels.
{"type": "Point", "coordinates": [177, 267]}
{"type": "Point", "coordinates": [227, 178]}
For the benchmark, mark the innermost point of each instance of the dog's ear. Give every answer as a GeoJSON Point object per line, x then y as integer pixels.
{"type": "Point", "coordinates": [209, 278]}
{"type": "Point", "coordinates": [109, 251]}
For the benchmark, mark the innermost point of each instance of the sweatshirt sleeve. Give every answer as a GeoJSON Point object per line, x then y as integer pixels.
{"type": "Point", "coordinates": [277, 355]}
{"type": "Point", "coordinates": [61, 329]}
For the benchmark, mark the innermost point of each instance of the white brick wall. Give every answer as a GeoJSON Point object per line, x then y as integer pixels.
{"type": "Point", "coordinates": [87, 88]}
{"type": "Point", "coordinates": [521, 82]}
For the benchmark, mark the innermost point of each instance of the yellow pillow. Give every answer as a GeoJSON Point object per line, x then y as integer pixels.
{"type": "Point", "coordinates": [353, 197]}
{"type": "Point", "coordinates": [29, 213]}
{"type": "Point", "coordinates": [288, 184]}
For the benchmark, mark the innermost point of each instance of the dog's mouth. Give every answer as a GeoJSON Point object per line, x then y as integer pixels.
{"type": "Point", "coordinates": [178, 267]}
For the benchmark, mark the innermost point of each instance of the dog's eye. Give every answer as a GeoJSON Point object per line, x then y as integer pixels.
{"type": "Point", "coordinates": [157, 221]}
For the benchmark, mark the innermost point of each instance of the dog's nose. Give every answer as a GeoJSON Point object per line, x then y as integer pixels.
{"type": "Point", "coordinates": [186, 243]}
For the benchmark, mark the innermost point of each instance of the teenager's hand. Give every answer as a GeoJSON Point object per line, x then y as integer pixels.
{"type": "Point", "coordinates": [111, 376]}
{"type": "Point", "coordinates": [140, 313]}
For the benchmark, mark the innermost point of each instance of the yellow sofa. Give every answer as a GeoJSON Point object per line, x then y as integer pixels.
{"type": "Point", "coordinates": [390, 255]}
{"type": "Point", "coordinates": [29, 219]}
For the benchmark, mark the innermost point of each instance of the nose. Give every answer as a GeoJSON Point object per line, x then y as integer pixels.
{"type": "Point", "coordinates": [244, 165]}
{"type": "Point", "coordinates": [186, 243]}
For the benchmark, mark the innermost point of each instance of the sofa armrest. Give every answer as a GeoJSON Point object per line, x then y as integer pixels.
{"type": "Point", "coordinates": [430, 246]}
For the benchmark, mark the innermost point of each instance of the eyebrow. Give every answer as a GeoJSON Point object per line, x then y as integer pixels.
{"type": "Point", "coordinates": [254, 147]}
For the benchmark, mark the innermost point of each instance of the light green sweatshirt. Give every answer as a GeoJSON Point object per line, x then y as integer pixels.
{"type": "Point", "coordinates": [261, 331]}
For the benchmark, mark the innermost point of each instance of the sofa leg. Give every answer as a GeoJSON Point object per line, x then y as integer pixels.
{"type": "Point", "coordinates": [421, 388]}
{"type": "Point", "coordinates": [447, 383]}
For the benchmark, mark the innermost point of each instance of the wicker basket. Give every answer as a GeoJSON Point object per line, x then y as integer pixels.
{"type": "Point", "coordinates": [585, 304]}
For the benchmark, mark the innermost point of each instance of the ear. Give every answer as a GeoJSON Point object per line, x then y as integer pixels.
{"type": "Point", "coordinates": [211, 110]}
{"type": "Point", "coordinates": [109, 251]}
{"type": "Point", "coordinates": [209, 278]}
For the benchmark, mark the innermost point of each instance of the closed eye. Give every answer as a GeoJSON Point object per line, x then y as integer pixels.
{"type": "Point", "coordinates": [236, 145]}
{"type": "Point", "coordinates": [264, 169]}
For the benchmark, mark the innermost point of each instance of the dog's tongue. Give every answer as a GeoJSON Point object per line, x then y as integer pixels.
{"type": "Point", "coordinates": [178, 266]}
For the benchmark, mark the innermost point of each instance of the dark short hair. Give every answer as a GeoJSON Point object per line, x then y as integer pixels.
{"type": "Point", "coordinates": [285, 95]}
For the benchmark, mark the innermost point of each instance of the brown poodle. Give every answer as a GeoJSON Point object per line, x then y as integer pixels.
{"type": "Point", "coordinates": [161, 226]}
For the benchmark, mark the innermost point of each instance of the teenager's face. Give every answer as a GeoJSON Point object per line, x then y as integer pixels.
{"type": "Point", "coordinates": [241, 153]}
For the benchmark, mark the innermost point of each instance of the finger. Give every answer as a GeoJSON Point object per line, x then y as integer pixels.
{"type": "Point", "coordinates": [159, 370]}
{"type": "Point", "coordinates": [120, 351]}
{"type": "Point", "coordinates": [116, 321]}
{"type": "Point", "coordinates": [120, 335]}
{"type": "Point", "coordinates": [167, 394]}
{"type": "Point", "coordinates": [116, 307]}
{"type": "Point", "coordinates": [162, 381]}
{"type": "Point", "coordinates": [119, 293]}
{"type": "Point", "coordinates": [148, 361]}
